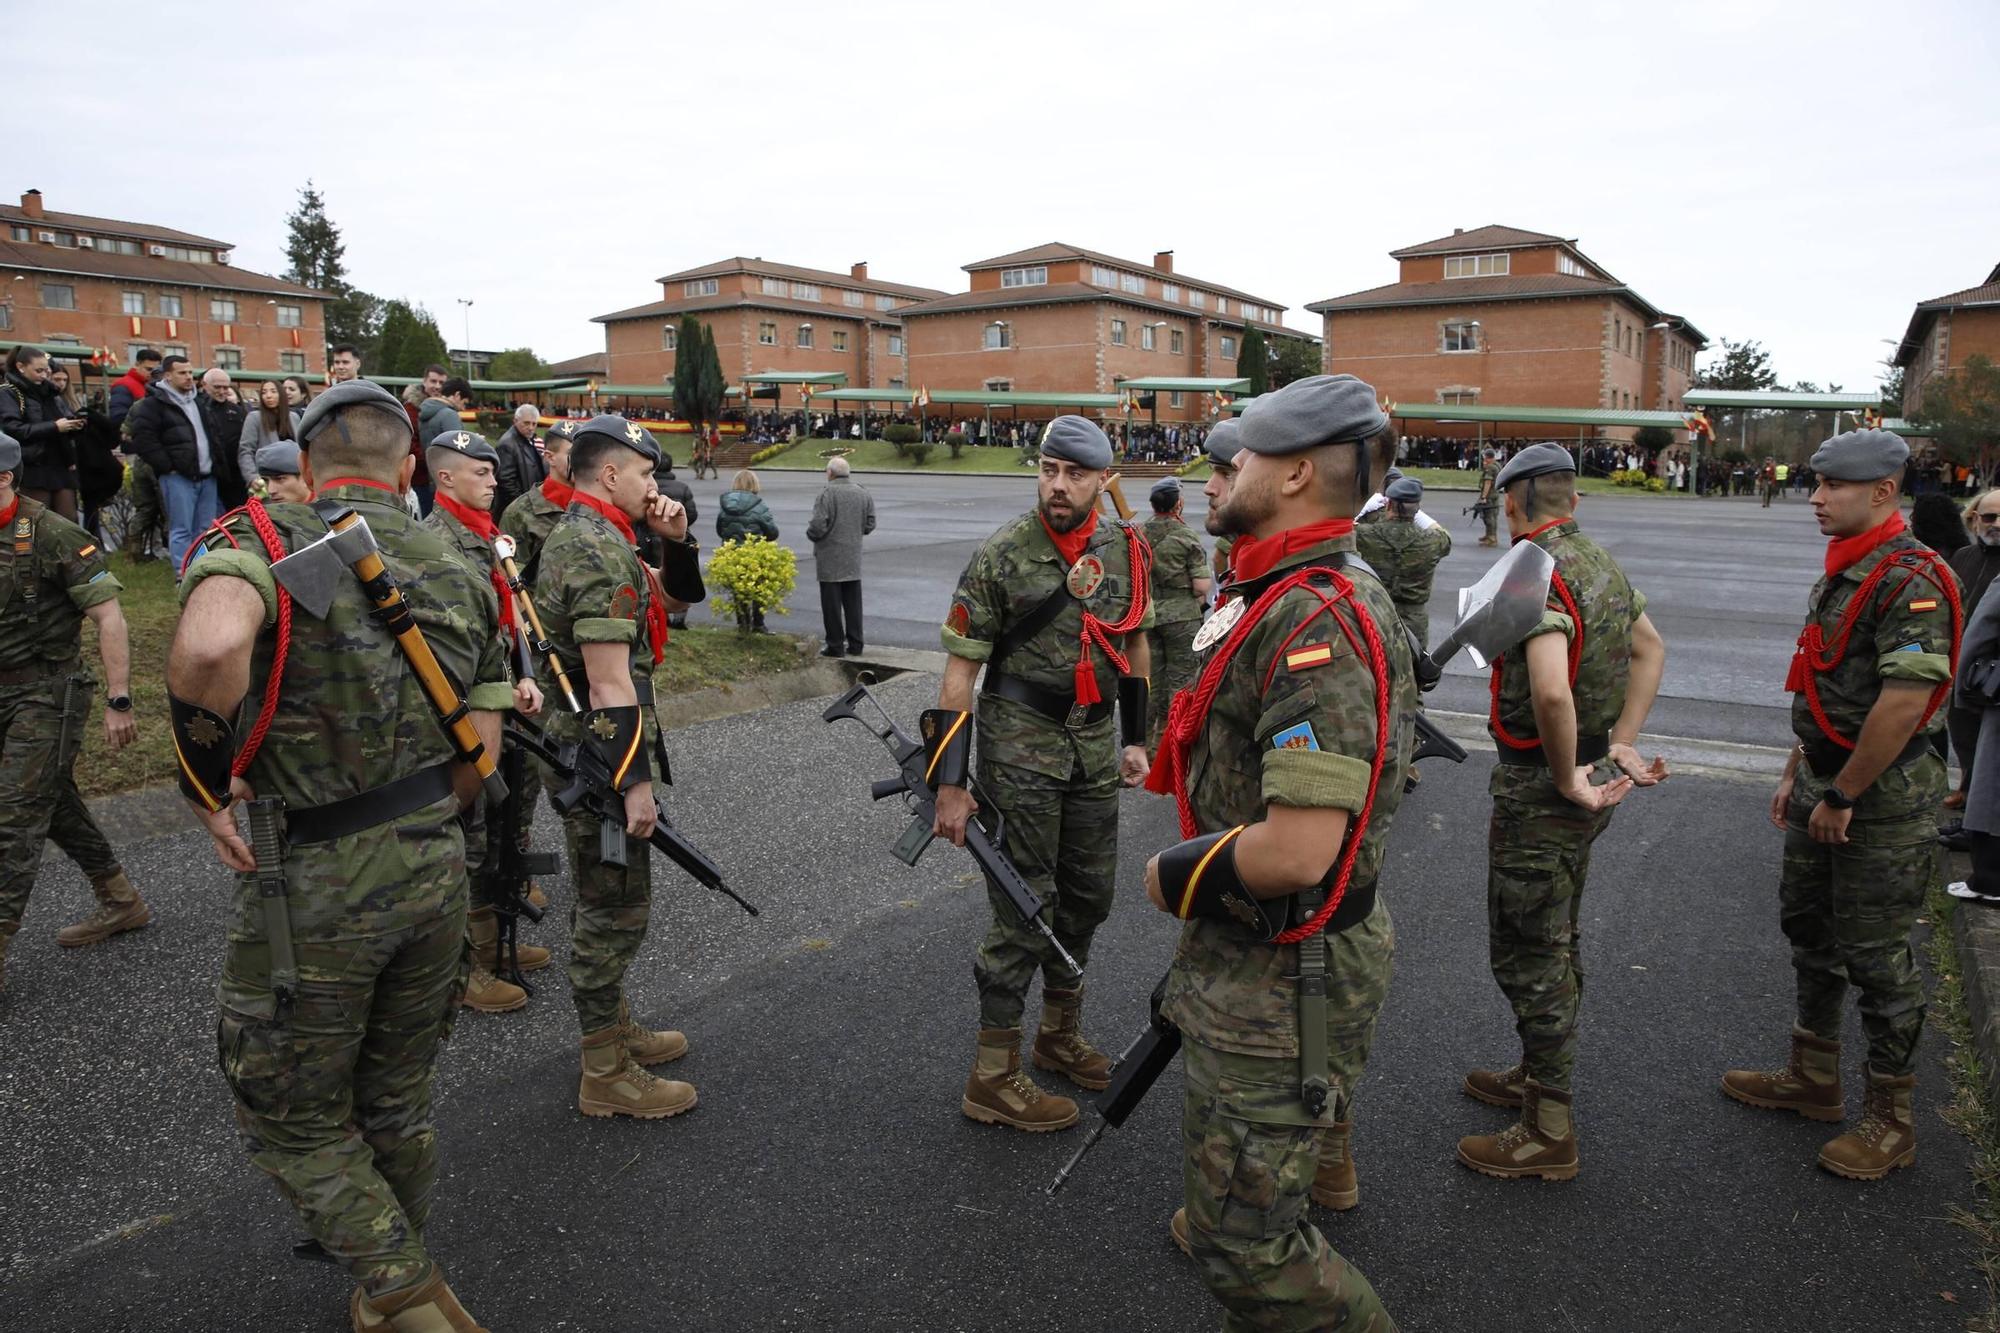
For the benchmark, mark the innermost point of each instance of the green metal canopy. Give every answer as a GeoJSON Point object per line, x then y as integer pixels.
{"type": "Point", "coordinates": [1182, 384]}
{"type": "Point", "coordinates": [1494, 414]}
{"type": "Point", "coordinates": [582, 388]}
{"type": "Point", "coordinates": [1011, 398]}
{"type": "Point", "coordinates": [1781, 398]}
{"type": "Point", "coordinates": [60, 351]}
{"type": "Point", "coordinates": [798, 377]}
{"type": "Point", "coordinates": [863, 396]}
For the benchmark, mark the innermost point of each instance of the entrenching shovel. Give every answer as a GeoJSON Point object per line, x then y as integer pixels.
{"type": "Point", "coordinates": [1495, 613]}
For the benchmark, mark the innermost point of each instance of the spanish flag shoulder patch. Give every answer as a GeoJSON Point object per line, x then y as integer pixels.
{"type": "Point", "coordinates": [86, 551]}
{"type": "Point", "coordinates": [1924, 604]}
{"type": "Point", "coordinates": [1308, 657]}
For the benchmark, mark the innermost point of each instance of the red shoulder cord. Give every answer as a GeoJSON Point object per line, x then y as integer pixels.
{"type": "Point", "coordinates": [1139, 558]}
{"type": "Point", "coordinates": [1561, 589]}
{"type": "Point", "coordinates": [1189, 714]}
{"type": "Point", "coordinates": [1816, 656]}
{"type": "Point", "coordinates": [274, 549]}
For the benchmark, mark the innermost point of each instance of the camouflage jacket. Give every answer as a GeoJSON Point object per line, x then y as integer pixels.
{"type": "Point", "coordinates": [1609, 605]}
{"type": "Point", "coordinates": [529, 520]}
{"type": "Point", "coordinates": [51, 572]}
{"type": "Point", "coordinates": [1008, 577]}
{"type": "Point", "coordinates": [1489, 473]}
{"type": "Point", "coordinates": [1292, 727]}
{"type": "Point", "coordinates": [1902, 635]}
{"type": "Point", "coordinates": [1405, 556]}
{"type": "Point", "coordinates": [1178, 560]}
{"type": "Point", "coordinates": [592, 589]}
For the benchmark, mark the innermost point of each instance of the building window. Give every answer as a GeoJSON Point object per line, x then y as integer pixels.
{"type": "Point", "coordinates": [1458, 397]}
{"type": "Point", "coordinates": [18, 232]}
{"type": "Point", "coordinates": [840, 340]}
{"type": "Point", "coordinates": [67, 339]}
{"type": "Point", "coordinates": [6, 317]}
{"type": "Point", "coordinates": [1200, 299]}
{"type": "Point", "coordinates": [1477, 266]}
{"type": "Point", "coordinates": [1170, 292]}
{"type": "Point", "coordinates": [1133, 283]}
{"type": "Point", "coordinates": [1025, 277]}
{"type": "Point", "coordinates": [65, 239]}
{"type": "Point", "coordinates": [173, 349]}
{"type": "Point", "coordinates": [170, 307]}
{"type": "Point", "coordinates": [805, 335]}
{"type": "Point", "coordinates": [699, 287]}
{"type": "Point", "coordinates": [999, 386]}
{"type": "Point", "coordinates": [112, 245]}
{"type": "Point", "coordinates": [896, 384]}
{"type": "Point", "coordinates": [999, 337]}
{"type": "Point", "coordinates": [1174, 399]}
{"type": "Point", "coordinates": [767, 333]}
{"type": "Point", "coordinates": [1228, 348]}
{"type": "Point", "coordinates": [229, 358]}
{"type": "Point", "coordinates": [670, 338]}
{"type": "Point", "coordinates": [805, 291]}
{"type": "Point", "coordinates": [1102, 277]}
{"type": "Point", "coordinates": [1117, 333]}
{"type": "Point", "coordinates": [132, 303]}
{"type": "Point", "coordinates": [1566, 263]}
{"type": "Point", "coordinates": [773, 286]}
{"type": "Point", "coordinates": [1146, 337]}
{"type": "Point", "coordinates": [290, 316]}
{"type": "Point", "coordinates": [294, 362]}
{"type": "Point", "coordinates": [58, 296]}
{"type": "Point", "coordinates": [1221, 305]}
{"type": "Point", "coordinates": [895, 344]}
{"type": "Point", "coordinates": [885, 303]}
{"type": "Point", "coordinates": [1176, 343]}
{"type": "Point", "coordinates": [1462, 337]}
{"type": "Point", "coordinates": [221, 311]}
{"type": "Point", "coordinates": [132, 351]}
{"type": "Point", "coordinates": [851, 298]}
{"type": "Point", "coordinates": [182, 253]}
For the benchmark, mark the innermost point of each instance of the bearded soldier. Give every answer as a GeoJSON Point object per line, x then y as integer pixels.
{"type": "Point", "coordinates": [1222, 445]}
{"type": "Point", "coordinates": [1054, 605]}
{"type": "Point", "coordinates": [1180, 588]}
{"type": "Point", "coordinates": [1404, 548]}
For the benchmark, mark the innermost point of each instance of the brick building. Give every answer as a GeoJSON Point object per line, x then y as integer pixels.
{"type": "Point", "coordinates": [98, 282]}
{"type": "Point", "coordinates": [769, 317]}
{"type": "Point", "coordinates": [1057, 318]}
{"type": "Point", "coordinates": [1502, 316]}
{"type": "Point", "coordinates": [1943, 333]}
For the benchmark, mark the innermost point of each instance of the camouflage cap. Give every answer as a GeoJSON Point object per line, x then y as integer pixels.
{"type": "Point", "coordinates": [1320, 409]}
{"type": "Point", "coordinates": [1224, 441]}
{"type": "Point", "coordinates": [1074, 439]}
{"type": "Point", "coordinates": [1535, 461]}
{"type": "Point", "coordinates": [279, 458]}
{"type": "Point", "coordinates": [323, 410]}
{"type": "Point", "coordinates": [630, 434]}
{"type": "Point", "coordinates": [10, 453]}
{"type": "Point", "coordinates": [1405, 490]}
{"type": "Point", "coordinates": [475, 447]}
{"type": "Point", "coordinates": [1861, 455]}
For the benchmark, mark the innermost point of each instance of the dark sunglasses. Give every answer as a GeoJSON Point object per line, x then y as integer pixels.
{"type": "Point", "coordinates": [1986, 518]}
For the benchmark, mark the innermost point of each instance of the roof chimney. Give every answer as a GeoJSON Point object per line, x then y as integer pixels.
{"type": "Point", "coordinates": [1458, 231]}
{"type": "Point", "coordinates": [859, 272]}
{"type": "Point", "coordinates": [1163, 261]}
{"type": "Point", "coordinates": [31, 203]}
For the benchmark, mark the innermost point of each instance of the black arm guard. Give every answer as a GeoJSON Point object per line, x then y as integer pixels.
{"type": "Point", "coordinates": [618, 737]}
{"type": "Point", "coordinates": [1134, 703]}
{"type": "Point", "coordinates": [1198, 879]}
{"type": "Point", "coordinates": [947, 747]}
{"type": "Point", "coordinates": [205, 746]}
{"type": "Point", "coordinates": [680, 571]}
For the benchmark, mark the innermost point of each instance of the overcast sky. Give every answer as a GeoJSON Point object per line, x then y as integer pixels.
{"type": "Point", "coordinates": [1797, 173]}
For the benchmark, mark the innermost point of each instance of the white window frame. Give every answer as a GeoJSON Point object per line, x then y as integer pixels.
{"type": "Point", "coordinates": [222, 310]}
{"type": "Point", "coordinates": [802, 337]}
{"type": "Point", "coordinates": [856, 299]}
{"type": "Point", "coordinates": [1228, 348]}
{"type": "Point", "coordinates": [69, 296]}
{"type": "Point", "coordinates": [290, 316]}
{"type": "Point", "coordinates": [292, 363]}
{"type": "Point", "coordinates": [670, 338]}
{"type": "Point", "coordinates": [132, 303]}
{"type": "Point", "coordinates": [132, 351]}
{"type": "Point", "coordinates": [805, 291]}
{"type": "Point", "coordinates": [767, 333]}
{"type": "Point", "coordinates": [1036, 275]}
{"type": "Point", "coordinates": [885, 303]}
{"type": "Point", "coordinates": [1133, 283]}
{"type": "Point", "coordinates": [1199, 300]}
{"type": "Point", "coordinates": [1463, 332]}
{"type": "Point", "coordinates": [999, 386]}
{"type": "Point", "coordinates": [1117, 333]}
{"type": "Point", "coordinates": [895, 344]}
{"type": "Point", "coordinates": [1101, 276]}
{"type": "Point", "coordinates": [1478, 266]}
{"type": "Point", "coordinates": [1174, 398]}
{"type": "Point", "coordinates": [225, 356]}
{"type": "Point", "coordinates": [179, 306]}
{"type": "Point", "coordinates": [1147, 341]}
{"type": "Point", "coordinates": [1176, 342]}
{"type": "Point", "coordinates": [997, 337]}
{"type": "Point", "coordinates": [700, 287]}
{"type": "Point", "coordinates": [1458, 397]}
{"type": "Point", "coordinates": [1170, 291]}
{"type": "Point", "coordinates": [839, 337]}
{"type": "Point", "coordinates": [772, 286]}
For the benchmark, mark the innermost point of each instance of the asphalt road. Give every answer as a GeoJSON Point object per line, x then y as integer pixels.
{"type": "Point", "coordinates": [828, 1180]}
{"type": "Point", "coordinates": [1726, 581]}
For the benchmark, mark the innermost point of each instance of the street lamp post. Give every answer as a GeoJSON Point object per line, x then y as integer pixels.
{"type": "Point", "coordinates": [466, 306]}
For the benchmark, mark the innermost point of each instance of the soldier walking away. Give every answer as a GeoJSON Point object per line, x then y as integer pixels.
{"type": "Point", "coordinates": [606, 616]}
{"type": "Point", "coordinates": [1181, 584]}
{"type": "Point", "coordinates": [1567, 709]}
{"type": "Point", "coordinates": [1404, 549]}
{"type": "Point", "coordinates": [1287, 783]}
{"type": "Point", "coordinates": [1053, 604]}
{"type": "Point", "coordinates": [1489, 496]}
{"type": "Point", "coordinates": [55, 578]}
{"type": "Point", "coordinates": [1857, 802]}
{"type": "Point", "coordinates": [463, 469]}
{"type": "Point", "coordinates": [342, 971]}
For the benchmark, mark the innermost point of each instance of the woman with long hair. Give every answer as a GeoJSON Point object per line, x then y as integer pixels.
{"type": "Point", "coordinates": [297, 394]}
{"type": "Point", "coordinates": [31, 412]}
{"type": "Point", "coordinates": [271, 420]}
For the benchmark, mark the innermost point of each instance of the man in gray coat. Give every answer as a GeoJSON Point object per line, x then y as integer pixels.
{"type": "Point", "coordinates": [842, 516]}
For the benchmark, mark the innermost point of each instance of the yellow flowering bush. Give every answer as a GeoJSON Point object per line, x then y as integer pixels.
{"type": "Point", "coordinates": [754, 574]}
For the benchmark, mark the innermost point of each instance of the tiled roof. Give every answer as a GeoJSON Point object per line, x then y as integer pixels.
{"type": "Point", "coordinates": [147, 268]}
{"type": "Point", "coordinates": [1060, 293]}
{"type": "Point", "coordinates": [1493, 237]}
{"type": "Point", "coordinates": [695, 305]}
{"type": "Point", "coordinates": [1057, 250]}
{"type": "Point", "coordinates": [824, 277]}
{"type": "Point", "coordinates": [590, 363]}
{"type": "Point", "coordinates": [1986, 293]}
{"type": "Point", "coordinates": [1457, 290]}
{"type": "Point", "coordinates": [49, 221]}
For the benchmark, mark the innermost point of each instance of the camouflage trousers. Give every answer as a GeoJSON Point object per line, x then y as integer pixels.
{"type": "Point", "coordinates": [607, 921]}
{"type": "Point", "coordinates": [1174, 669]}
{"type": "Point", "coordinates": [333, 1096]}
{"type": "Point", "coordinates": [1537, 857]}
{"type": "Point", "coordinates": [1848, 909]}
{"type": "Point", "coordinates": [41, 731]}
{"type": "Point", "coordinates": [1417, 616]}
{"type": "Point", "coordinates": [1251, 1151]}
{"type": "Point", "coordinates": [1490, 516]}
{"type": "Point", "coordinates": [149, 517]}
{"type": "Point", "coordinates": [1063, 838]}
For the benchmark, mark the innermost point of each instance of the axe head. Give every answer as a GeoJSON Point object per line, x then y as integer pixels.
{"type": "Point", "coordinates": [1497, 612]}
{"type": "Point", "coordinates": [313, 573]}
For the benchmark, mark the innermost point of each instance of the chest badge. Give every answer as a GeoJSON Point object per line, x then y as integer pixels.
{"type": "Point", "coordinates": [1086, 576]}
{"type": "Point", "coordinates": [1216, 626]}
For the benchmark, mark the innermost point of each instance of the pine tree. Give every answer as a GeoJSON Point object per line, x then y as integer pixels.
{"type": "Point", "coordinates": [687, 371]}
{"type": "Point", "coordinates": [713, 387]}
{"type": "Point", "coordinates": [1253, 362]}
{"type": "Point", "coordinates": [317, 255]}
{"type": "Point", "coordinates": [409, 340]}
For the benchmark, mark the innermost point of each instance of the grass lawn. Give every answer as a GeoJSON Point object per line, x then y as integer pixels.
{"type": "Point", "coordinates": [880, 456]}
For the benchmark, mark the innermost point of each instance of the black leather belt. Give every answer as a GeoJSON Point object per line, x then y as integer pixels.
{"type": "Point", "coordinates": [378, 805]}
{"type": "Point", "coordinates": [1828, 758]}
{"type": "Point", "coordinates": [1058, 706]}
{"type": "Point", "coordinates": [1353, 910]}
{"type": "Point", "coordinates": [33, 674]}
{"type": "Point", "coordinates": [1589, 749]}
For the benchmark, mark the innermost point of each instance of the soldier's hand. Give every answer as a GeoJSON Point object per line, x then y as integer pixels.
{"type": "Point", "coordinates": [1828, 825]}
{"type": "Point", "coordinates": [1133, 766]}
{"type": "Point", "coordinates": [1632, 766]}
{"type": "Point", "coordinates": [120, 729]}
{"type": "Point", "coordinates": [640, 812]}
{"type": "Point", "coordinates": [230, 849]}
{"type": "Point", "coordinates": [1781, 801]}
{"type": "Point", "coordinates": [527, 697]}
{"type": "Point", "coordinates": [1579, 791]}
{"type": "Point", "coordinates": [667, 517]}
{"type": "Point", "coordinates": [1155, 894]}
{"type": "Point", "coordinates": [954, 806]}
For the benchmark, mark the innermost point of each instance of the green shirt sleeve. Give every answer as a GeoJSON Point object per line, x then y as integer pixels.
{"type": "Point", "coordinates": [1317, 728]}
{"type": "Point", "coordinates": [1913, 635]}
{"type": "Point", "coordinates": [231, 563]}
{"type": "Point", "coordinates": [973, 623]}
{"type": "Point", "coordinates": [602, 593]}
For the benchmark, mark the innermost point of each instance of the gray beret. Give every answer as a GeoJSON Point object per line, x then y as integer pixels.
{"type": "Point", "coordinates": [1393, 474]}
{"type": "Point", "coordinates": [281, 457]}
{"type": "Point", "coordinates": [1320, 409]}
{"type": "Point", "coordinates": [475, 447]}
{"type": "Point", "coordinates": [1224, 441]}
{"type": "Point", "coordinates": [10, 455]}
{"type": "Point", "coordinates": [1405, 490]}
{"type": "Point", "coordinates": [321, 411]}
{"type": "Point", "coordinates": [1534, 461]}
{"type": "Point", "coordinates": [1166, 486]}
{"type": "Point", "coordinates": [565, 428]}
{"type": "Point", "coordinates": [1861, 455]}
{"type": "Point", "coordinates": [630, 434]}
{"type": "Point", "coordinates": [1078, 440]}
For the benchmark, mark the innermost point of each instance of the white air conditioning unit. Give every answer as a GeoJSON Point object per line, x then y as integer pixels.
{"type": "Point", "coordinates": [157, 250]}
{"type": "Point", "coordinates": [48, 236]}
{"type": "Point", "coordinates": [222, 256]}
{"type": "Point", "coordinates": [86, 242]}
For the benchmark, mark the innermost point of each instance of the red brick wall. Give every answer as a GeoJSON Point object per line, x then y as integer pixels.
{"type": "Point", "coordinates": [99, 321]}
{"type": "Point", "coordinates": [1430, 268]}
{"type": "Point", "coordinates": [1954, 337]}
{"type": "Point", "coordinates": [638, 355]}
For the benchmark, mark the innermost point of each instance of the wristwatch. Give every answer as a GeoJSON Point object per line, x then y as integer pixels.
{"type": "Point", "coordinates": [1836, 799]}
{"type": "Point", "coordinates": [119, 703]}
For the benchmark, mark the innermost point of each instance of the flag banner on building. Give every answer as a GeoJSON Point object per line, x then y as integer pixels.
{"type": "Point", "coordinates": [229, 333]}
{"type": "Point", "coordinates": [137, 325]}
{"type": "Point", "coordinates": [295, 337]}
{"type": "Point", "coordinates": [1871, 417]}
{"type": "Point", "coordinates": [1219, 404]}
{"type": "Point", "coordinates": [173, 328]}
{"type": "Point", "coordinates": [923, 398]}
{"type": "Point", "coordinates": [1699, 427]}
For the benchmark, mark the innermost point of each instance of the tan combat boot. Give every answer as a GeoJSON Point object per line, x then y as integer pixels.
{"type": "Point", "coordinates": [1885, 1139]}
{"type": "Point", "coordinates": [646, 1046]}
{"type": "Point", "coordinates": [428, 1307]}
{"type": "Point", "coordinates": [1810, 1084]}
{"type": "Point", "coordinates": [537, 899]}
{"type": "Point", "coordinates": [483, 924]}
{"type": "Point", "coordinates": [487, 994]}
{"type": "Point", "coordinates": [998, 1093]}
{"type": "Point", "coordinates": [1496, 1087]}
{"type": "Point", "coordinates": [1334, 1184]}
{"type": "Point", "coordinates": [613, 1084]}
{"type": "Point", "coordinates": [1178, 1229]}
{"type": "Point", "coordinates": [1060, 1045]}
{"type": "Point", "coordinates": [119, 908]}
{"type": "Point", "coordinates": [1541, 1143]}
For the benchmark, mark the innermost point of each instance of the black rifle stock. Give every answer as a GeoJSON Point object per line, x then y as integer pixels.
{"type": "Point", "coordinates": [984, 834]}
{"type": "Point", "coordinates": [505, 877]}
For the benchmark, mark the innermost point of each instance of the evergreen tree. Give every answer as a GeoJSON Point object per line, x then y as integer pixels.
{"type": "Point", "coordinates": [1253, 362]}
{"type": "Point", "coordinates": [517, 363]}
{"type": "Point", "coordinates": [714, 387]}
{"type": "Point", "coordinates": [409, 340]}
{"type": "Point", "coordinates": [1962, 409]}
{"type": "Point", "coordinates": [687, 370]}
{"type": "Point", "coordinates": [317, 255]}
{"type": "Point", "coordinates": [1293, 359]}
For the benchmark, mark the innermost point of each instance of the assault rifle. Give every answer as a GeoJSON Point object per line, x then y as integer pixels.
{"type": "Point", "coordinates": [985, 833]}
{"type": "Point", "coordinates": [1131, 1079]}
{"type": "Point", "coordinates": [509, 867]}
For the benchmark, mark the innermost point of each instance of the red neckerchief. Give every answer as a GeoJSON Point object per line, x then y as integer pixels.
{"type": "Point", "coordinates": [482, 526]}
{"type": "Point", "coordinates": [1139, 557]}
{"type": "Point", "coordinates": [656, 608]}
{"type": "Point", "coordinates": [1846, 552]}
{"type": "Point", "coordinates": [1253, 557]}
{"type": "Point", "coordinates": [613, 515]}
{"type": "Point", "coordinates": [1069, 545]}
{"type": "Point", "coordinates": [557, 493]}
{"type": "Point", "coordinates": [332, 482]}
{"type": "Point", "coordinates": [1533, 533]}
{"type": "Point", "coordinates": [7, 514]}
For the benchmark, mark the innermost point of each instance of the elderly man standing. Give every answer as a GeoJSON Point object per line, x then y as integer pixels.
{"type": "Point", "coordinates": [520, 469]}
{"type": "Point", "coordinates": [842, 516]}
{"type": "Point", "coordinates": [222, 418]}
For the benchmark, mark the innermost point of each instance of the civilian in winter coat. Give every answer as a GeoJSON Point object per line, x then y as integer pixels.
{"type": "Point", "coordinates": [33, 413]}
{"type": "Point", "coordinates": [271, 421]}
{"type": "Point", "coordinates": [521, 468]}
{"type": "Point", "coordinates": [843, 514]}
{"type": "Point", "coordinates": [166, 429]}
{"type": "Point", "coordinates": [222, 416]}
{"type": "Point", "coordinates": [1975, 564]}
{"type": "Point", "coordinates": [1973, 691]}
{"type": "Point", "coordinates": [130, 387]}
{"type": "Point", "coordinates": [743, 513]}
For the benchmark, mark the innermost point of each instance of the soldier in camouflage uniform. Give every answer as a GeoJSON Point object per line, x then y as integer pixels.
{"type": "Point", "coordinates": [606, 617]}
{"type": "Point", "coordinates": [1404, 549]}
{"type": "Point", "coordinates": [1857, 803]}
{"type": "Point", "coordinates": [1489, 495]}
{"type": "Point", "coordinates": [332, 1078]}
{"type": "Point", "coordinates": [1048, 756]}
{"type": "Point", "coordinates": [1180, 589]}
{"type": "Point", "coordinates": [1288, 787]}
{"type": "Point", "coordinates": [53, 577]}
{"type": "Point", "coordinates": [462, 467]}
{"type": "Point", "coordinates": [1224, 440]}
{"type": "Point", "coordinates": [532, 515]}
{"type": "Point", "coordinates": [1570, 705]}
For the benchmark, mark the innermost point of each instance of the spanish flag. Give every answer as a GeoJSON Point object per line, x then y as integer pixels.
{"type": "Point", "coordinates": [923, 398]}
